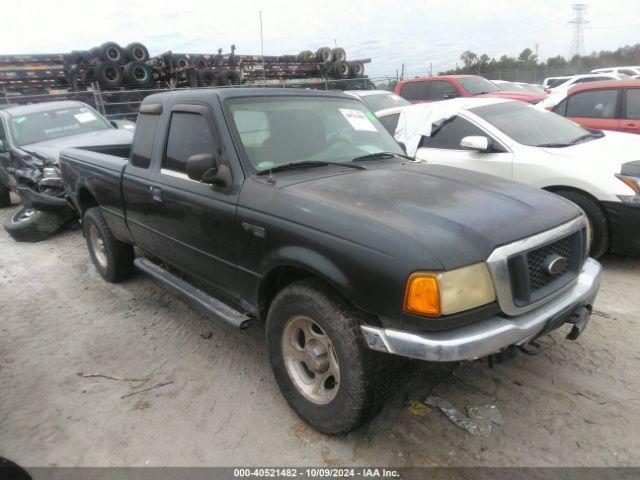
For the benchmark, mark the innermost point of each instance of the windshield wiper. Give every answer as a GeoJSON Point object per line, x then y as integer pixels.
{"type": "Point", "coordinates": [307, 164]}
{"type": "Point", "coordinates": [581, 138]}
{"type": "Point", "coordinates": [379, 156]}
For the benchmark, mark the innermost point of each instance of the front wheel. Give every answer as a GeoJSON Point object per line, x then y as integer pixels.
{"type": "Point", "coordinates": [597, 218]}
{"type": "Point", "coordinates": [322, 365]}
{"type": "Point", "coordinates": [27, 224]}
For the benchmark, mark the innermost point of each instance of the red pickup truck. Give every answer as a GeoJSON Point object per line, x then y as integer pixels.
{"type": "Point", "coordinates": [433, 89]}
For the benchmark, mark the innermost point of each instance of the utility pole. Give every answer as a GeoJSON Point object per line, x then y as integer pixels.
{"type": "Point", "coordinates": [261, 38]}
{"type": "Point", "coordinates": [577, 23]}
{"type": "Point", "coordinates": [402, 72]}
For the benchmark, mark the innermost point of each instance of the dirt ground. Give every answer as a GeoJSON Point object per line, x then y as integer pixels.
{"type": "Point", "coordinates": [575, 404]}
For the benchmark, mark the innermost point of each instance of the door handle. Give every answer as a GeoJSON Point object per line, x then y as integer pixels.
{"type": "Point", "coordinates": [156, 194]}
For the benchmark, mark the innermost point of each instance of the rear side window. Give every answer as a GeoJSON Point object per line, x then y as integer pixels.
{"type": "Point", "coordinates": [633, 103]}
{"type": "Point", "coordinates": [593, 104]}
{"type": "Point", "coordinates": [390, 122]}
{"type": "Point", "coordinates": [450, 134]}
{"type": "Point", "coordinates": [591, 79]}
{"type": "Point", "coordinates": [627, 72]}
{"type": "Point", "coordinates": [441, 90]}
{"type": "Point", "coordinates": [143, 140]}
{"type": "Point", "coordinates": [415, 91]}
{"type": "Point", "coordinates": [189, 134]}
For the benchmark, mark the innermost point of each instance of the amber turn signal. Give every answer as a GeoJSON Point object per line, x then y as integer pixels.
{"type": "Point", "coordinates": [422, 295]}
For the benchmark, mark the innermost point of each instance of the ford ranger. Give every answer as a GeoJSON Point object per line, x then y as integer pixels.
{"type": "Point", "coordinates": [298, 209]}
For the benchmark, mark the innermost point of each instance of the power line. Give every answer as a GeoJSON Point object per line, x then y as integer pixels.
{"type": "Point", "coordinates": [578, 23]}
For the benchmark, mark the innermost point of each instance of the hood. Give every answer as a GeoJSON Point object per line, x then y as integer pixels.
{"type": "Point", "coordinates": [431, 215]}
{"type": "Point", "coordinates": [522, 96]}
{"type": "Point", "coordinates": [51, 148]}
{"type": "Point", "coordinates": [605, 154]}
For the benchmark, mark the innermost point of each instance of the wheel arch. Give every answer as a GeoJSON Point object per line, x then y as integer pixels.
{"type": "Point", "coordinates": [296, 263]}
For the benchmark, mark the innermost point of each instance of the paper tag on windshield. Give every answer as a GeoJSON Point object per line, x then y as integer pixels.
{"type": "Point", "coordinates": [358, 120]}
{"type": "Point", "coordinates": [85, 117]}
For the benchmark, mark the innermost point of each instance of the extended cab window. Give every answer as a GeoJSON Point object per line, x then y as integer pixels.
{"type": "Point", "coordinates": [450, 134]}
{"type": "Point", "coordinates": [143, 140]}
{"type": "Point", "coordinates": [415, 91]}
{"type": "Point", "coordinates": [189, 134]}
{"type": "Point", "coordinates": [633, 103]}
{"type": "Point", "coordinates": [593, 104]}
{"type": "Point", "coordinates": [441, 90]}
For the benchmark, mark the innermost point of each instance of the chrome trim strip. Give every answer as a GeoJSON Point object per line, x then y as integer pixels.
{"type": "Point", "coordinates": [499, 270]}
{"type": "Point", "coordinates": [487, 336]}
{"type": "Point", "coordinates": [173, 173]}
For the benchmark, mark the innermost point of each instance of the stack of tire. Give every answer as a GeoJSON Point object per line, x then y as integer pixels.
{"type": "Point", "coordinates": [112, 66]}
{"type": "Point", "coordinates": [207, 71]}
{"type": "Point", "coordinates": [335, 62]}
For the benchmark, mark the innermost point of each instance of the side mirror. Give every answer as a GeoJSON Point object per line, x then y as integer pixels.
{"type": "Point", "coordinates": [204, 168]}
{"type": "Point", "coordinates": [478, 143]}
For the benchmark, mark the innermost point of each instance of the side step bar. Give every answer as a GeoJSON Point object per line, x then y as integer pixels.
{"type": "Point", "coordinates": [204, 302]}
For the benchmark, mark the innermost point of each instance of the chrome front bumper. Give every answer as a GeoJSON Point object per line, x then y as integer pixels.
{"type": "Point", "coordinates": [491, 335]}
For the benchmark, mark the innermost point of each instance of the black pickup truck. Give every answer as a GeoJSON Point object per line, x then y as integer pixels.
{"type": "Point", "coordinates": [298, 209]}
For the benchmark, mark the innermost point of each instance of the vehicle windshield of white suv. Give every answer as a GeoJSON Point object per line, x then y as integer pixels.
{"type": "Point", "coordinates": [377, 102]}
{"type": "Point", "coordinates": [477, 85]}
{"type": "Point", "coordinates": [529, 126]}
{"type": "Point", "coordinates": [41, 126]}
{"type": "Point", "coordinates": [278, 131]}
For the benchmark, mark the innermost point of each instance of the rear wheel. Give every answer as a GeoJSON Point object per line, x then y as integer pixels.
{"type": "Point", "coordinates": [323, 367]}
{"type": "Point", "coordinates": [112, 258]}
{"type": "Point", "coordinates": [597, 218]}
{"type": "Point", "coordinates": [30, 225]}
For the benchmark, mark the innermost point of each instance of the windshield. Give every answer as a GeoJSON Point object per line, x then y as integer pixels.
{"type": "Point", "coordinates": [41, 126]}
{"type": "Point", "coordinates": [529, 126]}
{"type": "Point", "coordinates": [282, 130]}
{"type": "Point", "coordinates": [477, 85]}
{"type": "Point", "coordinates": [377, 102]}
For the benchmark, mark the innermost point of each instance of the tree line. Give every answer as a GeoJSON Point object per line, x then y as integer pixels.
{"type": "Point", "coordinates": [473, 63]}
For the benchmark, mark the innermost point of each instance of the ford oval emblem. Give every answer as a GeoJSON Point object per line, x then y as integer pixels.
{"type": "Point", "coordinates": [555, 265]}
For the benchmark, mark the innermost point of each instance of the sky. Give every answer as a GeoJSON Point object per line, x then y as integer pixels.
{"type": "Point", "coordinates": [421, 34]}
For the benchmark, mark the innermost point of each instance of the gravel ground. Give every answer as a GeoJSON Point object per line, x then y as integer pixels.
{"type": "Point", "coordinates": [576, 404]}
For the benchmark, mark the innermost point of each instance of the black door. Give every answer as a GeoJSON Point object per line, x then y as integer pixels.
{"type": "Point", "coordinates": [136, 186]}
{"type": "Point", "coordinates": [193, 223]}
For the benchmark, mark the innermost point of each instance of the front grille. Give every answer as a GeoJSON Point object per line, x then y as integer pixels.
{"type": "Point", "coordinates": [538, 276]}
{"type": "Point", "coordinates": [530, 278]}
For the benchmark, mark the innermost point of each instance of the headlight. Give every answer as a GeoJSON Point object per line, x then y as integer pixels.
{"type": "Point", "coordinates": [444, 293]}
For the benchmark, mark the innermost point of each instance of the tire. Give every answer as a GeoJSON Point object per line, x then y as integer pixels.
{"type": "Point", "coordinates": [598, 222]}
{"type": "Point", "coordinates": [88, 77]}
{"type": "Point", "coordinates": [230, 77]}
{"type": "Point", "coordinates": [180, 61]}
{"type": "Point", "coordinates": [5, 196]}
{"type": "Point", "coordinates": [130, 102]}
{"type": "Point", "coordinates": [341, 69]}
{"type": "Point", "coordinates": [113, 259]}
{"type": "Point", "coordinates": [137, 74]}
{"type": "Point", "coordinates": [305, 56]}
{"type": "Point", "coordinates": [108, 74]}
{"type": "Point", "coordinates": [363, 379]}
{"type": "Point", "coordinates": [30, 225]}
{"type": "Point", "coordinates": [199, 61]}
{"type": "Point", "coordinates": [207, 78]}
{"type": "Point", "coordinates": [137, 52]}
{"type": "Point", "coordinates": [94, 54]}
{"type": "Point", "coordinates": [357, 69]}
{"type": "Point", "coordinates": [339, 54]}
{"type": "Point", "coordinates": [324, 55]}
{"type": "Point", "coordinates": [112, 52]}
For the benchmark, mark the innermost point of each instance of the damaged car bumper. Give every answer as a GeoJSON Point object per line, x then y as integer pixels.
{"type": "Point", "coordinates": [496, 333]}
